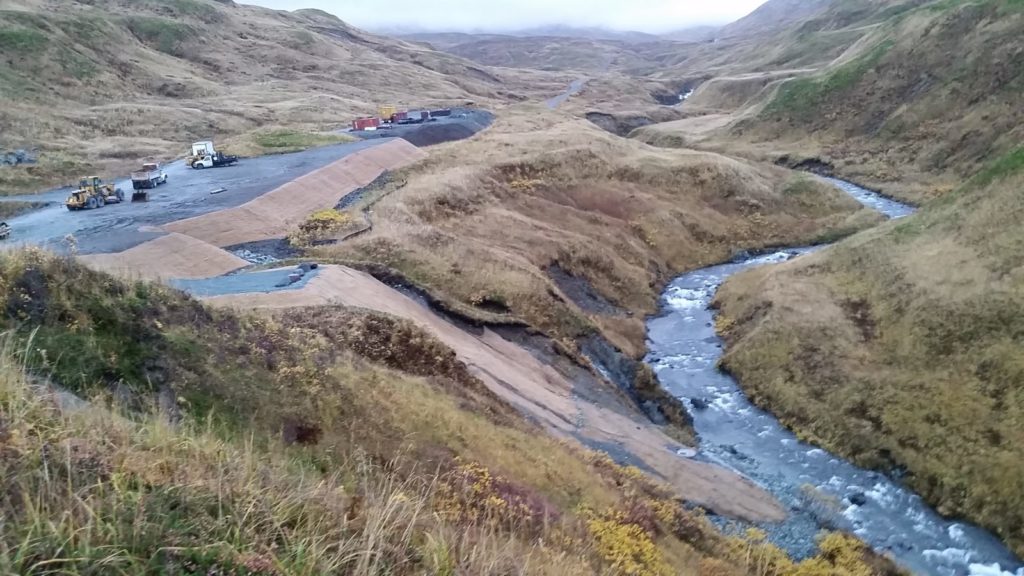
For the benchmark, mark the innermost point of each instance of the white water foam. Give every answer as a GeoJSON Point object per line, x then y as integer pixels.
{"type": "Point", "coordinates": [882, 493]}
{"type": "Point", "coordinates": [949, 556]}
{"type": "Point", "coordinates": [991, 570]}
{"type": "Point", "coordinates": [724, 402]}
{"type": "Point", "coordinates": [685, 298]}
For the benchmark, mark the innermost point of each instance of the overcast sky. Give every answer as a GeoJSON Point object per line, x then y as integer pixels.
{"type": "Point", "coordinates": [497, 15]}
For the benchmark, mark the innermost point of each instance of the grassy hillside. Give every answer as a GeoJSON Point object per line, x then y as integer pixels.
{"type": "Point", "coordinates": [900, 347]}
{"type": "Point", "coordinates": [547, 53]}
{"type": "Point", "coordinates": [897, 111]}
{"type": "Point", "coordinates": [102, 85]}
{"type": "Point", "coordinates": [487, 219]}
{"type": "Point", "coordinates": [334, 442]}
{"type": "Point", "coordinates": [773, 15]}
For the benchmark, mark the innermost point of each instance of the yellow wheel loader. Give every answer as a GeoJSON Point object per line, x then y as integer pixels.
{"type": "Point", "coordinates": [93, 193]}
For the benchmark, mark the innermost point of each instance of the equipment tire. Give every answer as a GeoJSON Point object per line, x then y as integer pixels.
{"type": "Point", "coordinates": [91, 203]}
{"type": "Point", "coordinates": [120, 195]}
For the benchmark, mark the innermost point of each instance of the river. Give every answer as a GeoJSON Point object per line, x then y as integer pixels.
{"type": "Point", "coordinates": [684, 351]}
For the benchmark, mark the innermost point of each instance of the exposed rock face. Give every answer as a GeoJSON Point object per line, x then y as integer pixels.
{"type": "Point", "coordinates": [16, 157]}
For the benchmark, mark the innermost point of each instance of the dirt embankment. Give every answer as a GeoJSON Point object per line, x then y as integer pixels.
{"type": "Point", "coordinates": [276, 213]}
{"type": "Point", "coordinates": [566, 408]}
{"type": "Point", "coordinates": [170, 256]}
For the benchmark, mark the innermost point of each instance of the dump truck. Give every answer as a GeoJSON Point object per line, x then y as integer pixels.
{"type": "Point", "coordinates": [5, 231]}
{"type": "Point", "coordinates": [151, 176]}
{"type": "Point", "coordinates": [204, 155]}
{"type": "Point", "coordinates": [93, 193]}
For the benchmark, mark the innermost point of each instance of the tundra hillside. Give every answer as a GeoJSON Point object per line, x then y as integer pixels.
{"type": "Point", "coordinates": [899, 347]}
{"type": "Point", "coordinates": [895, 111]}
{"type": "Point", "coordinates": [97, 86]}
{"type": "Point", "coordinates": [512, 222]}
{"type": "Point", "coordinates": [334, 442]}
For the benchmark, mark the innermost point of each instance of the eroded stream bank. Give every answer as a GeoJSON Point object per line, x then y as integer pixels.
{"type": "Point", "coordinates": [820, 489]}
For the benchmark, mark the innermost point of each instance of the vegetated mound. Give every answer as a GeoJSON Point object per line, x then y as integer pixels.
{"type": "Point", "coordinates": [897, 112]}
{"type": "Point", "coordinates": [220, 443]}
{"type": "Point", "coordinates": [900, 348]}
{"type": "Point", "coordinates": [482, 221]}
{"type": "Point", "coordinates": [102, 85]}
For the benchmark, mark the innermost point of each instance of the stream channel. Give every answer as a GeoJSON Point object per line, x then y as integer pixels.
{"type": "Point", "coordinates": [684, 351]}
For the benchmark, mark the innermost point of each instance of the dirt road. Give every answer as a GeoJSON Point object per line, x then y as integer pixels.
{"type": "Point", "coordinates": [566, 408]}
{"type": "Point", "coordinates": [574, 88]}
{"type": "Point", "coordinates": [187, 193]}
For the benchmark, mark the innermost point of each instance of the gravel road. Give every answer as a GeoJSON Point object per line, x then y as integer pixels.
{"type": "Point", "coordinates": [574, 88]}
{"type": "Point", "coordinates": [116, 227]}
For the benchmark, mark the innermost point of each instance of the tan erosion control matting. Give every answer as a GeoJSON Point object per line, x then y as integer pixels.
{"type": "Point", "coordinates": [170, 256]}
{"type": "Point", "coordinates": [536, 389]}
{"type": "Point", "coordinates": [279, 211]}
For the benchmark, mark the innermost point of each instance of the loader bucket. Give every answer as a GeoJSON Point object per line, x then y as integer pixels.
{"type": "Point", "coordinates": [140, 196]}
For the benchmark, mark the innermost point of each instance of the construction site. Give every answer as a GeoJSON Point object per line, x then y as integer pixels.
{"type": "Point", "coordinates": [197, 227]}
{"type": "Point", "coordinates": [210, 224]}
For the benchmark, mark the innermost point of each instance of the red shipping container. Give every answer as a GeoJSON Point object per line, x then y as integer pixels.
{"type": "Point", "coordinates": [399, 116]}
{"type": "Point", "coordinates": [364, 123]}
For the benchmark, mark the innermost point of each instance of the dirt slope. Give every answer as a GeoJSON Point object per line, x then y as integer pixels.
{"type": "Point", "coordinates": [537, 390]}
{"type": "Point", "coordinates": [280, 211]}
{"type": "Point", "coordinates": [167, 257]}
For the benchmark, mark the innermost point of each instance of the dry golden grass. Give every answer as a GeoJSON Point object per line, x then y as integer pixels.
{"type": "Point", "coordinates": [481, 221]}
{"type": "Point", "coordinates": [844, 345]}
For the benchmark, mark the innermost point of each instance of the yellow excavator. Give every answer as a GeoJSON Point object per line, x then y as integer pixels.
{"type": "Point", "coordinates": [93, 193]}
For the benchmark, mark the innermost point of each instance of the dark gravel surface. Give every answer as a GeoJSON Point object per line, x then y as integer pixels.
{"type": "Point", "coordinates": [187, 193]}
{"type": "Point", "coordinates": [463, 123]}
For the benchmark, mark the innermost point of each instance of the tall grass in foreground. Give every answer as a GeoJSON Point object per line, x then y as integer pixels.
{"type": "Point", "coordinates": [88, 492]}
